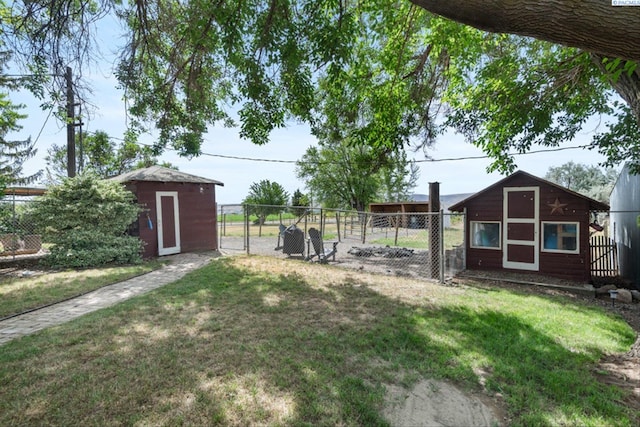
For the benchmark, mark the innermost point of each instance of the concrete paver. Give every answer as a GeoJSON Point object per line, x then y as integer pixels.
{"type": "Point", "coordinates": [62, 312]}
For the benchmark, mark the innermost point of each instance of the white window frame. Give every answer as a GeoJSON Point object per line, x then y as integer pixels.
{"type": "Point", "coordinates": [471, 239]}
{"type": "Point", "coordinates": [561, 251]}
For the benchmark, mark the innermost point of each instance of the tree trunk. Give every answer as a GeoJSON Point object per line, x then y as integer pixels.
{"type": "Point", "coordinates": [593, 25]}
{"type": "Point", "coordinates": [627, 86]}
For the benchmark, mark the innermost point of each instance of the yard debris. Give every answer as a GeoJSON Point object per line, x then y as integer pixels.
{"type": "Point", "coordinates": [385, 252]}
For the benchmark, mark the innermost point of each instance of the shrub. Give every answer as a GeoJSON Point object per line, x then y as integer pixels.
{"type": "Point", "coordinates": [85, 219]}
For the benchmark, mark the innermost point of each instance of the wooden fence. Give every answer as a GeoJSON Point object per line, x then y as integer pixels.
{"type": "Point", "coordinates": [604, 256]}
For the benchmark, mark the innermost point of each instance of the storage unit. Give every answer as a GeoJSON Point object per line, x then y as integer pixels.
{"type": "Point", "coordinates": [412, 214]}
{"type": "Point", "coordinates": [525, 223]}
{"type": "Point", "coordinates": [179, 210]}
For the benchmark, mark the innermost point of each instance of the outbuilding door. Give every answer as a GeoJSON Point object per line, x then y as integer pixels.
{"type": "Point", "coordinates": [168, 222]}
{"type": "Point", "coordinates": [521, 248]}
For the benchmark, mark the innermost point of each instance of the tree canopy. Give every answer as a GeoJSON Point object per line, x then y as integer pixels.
{"type": "Point", "coordinates": [589, 180]}
{"type": "Point", "coordinates": [265, 198]}
{"type": "Point", "coordinates": [411, 74]}
{"type": "Point", "coordinates": [100, 154]}
{"type": "Point", "coordinates": [300, 202]}
{"type": "Point", "coordinates": [342, 175]}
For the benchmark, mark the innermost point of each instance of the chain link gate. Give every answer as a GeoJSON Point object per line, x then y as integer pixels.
{"type": "Point", "coordinates": [232, 226]}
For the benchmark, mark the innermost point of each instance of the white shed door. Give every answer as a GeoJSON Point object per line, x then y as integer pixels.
{"type": "Point", "coordinates": [168, 222]}
{"type": "Point", "coordinates": [521, 249]}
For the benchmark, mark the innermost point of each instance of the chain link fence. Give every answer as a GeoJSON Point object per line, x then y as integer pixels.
{"type": "Point", "coordinates": [423, 245]}
{"type": "Point", "coordinates": [18, 234]}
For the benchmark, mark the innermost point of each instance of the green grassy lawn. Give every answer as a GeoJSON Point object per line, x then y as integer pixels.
{"type": "Point", "coordinates": [235, 218]}
{"type": "Point", "coordinates": [19, 294]}
{"type": "Point", "coordinates": [420, 239]}
{"type": "Point", "coordinates": [260, 341]}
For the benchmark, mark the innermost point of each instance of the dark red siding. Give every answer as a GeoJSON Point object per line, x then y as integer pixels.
{"type": "Point", "coordinates": [197, 212]}
{"type": "Point", "coordinates": [556, 205]}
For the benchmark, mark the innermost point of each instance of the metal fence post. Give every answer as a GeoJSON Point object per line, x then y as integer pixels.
{"type": "Point", "coordinates": [221, 231]}
{"type": "Point", "coordinates": [246, 228]}
{"type": "Point", "coordinates": [364, 228]}
{"type": "Point", "coordinates": [441, 245]}
{"type": "Point", "coordinates": [464, 239]}
{"type": "Point", "coordinates": [395, 242]}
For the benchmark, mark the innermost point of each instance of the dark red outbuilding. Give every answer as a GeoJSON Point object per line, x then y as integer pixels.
{"type": "Point", "coordinates": [179, 210]}
{"type": "Point", "coordinates": [525, 223]}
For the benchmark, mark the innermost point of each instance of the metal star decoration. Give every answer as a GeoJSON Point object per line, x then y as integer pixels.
{"type": "Point", "coordinates": [557, 206]}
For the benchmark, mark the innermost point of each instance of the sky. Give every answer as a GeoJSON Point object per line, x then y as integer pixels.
{"type": "Point", "coordinates": [286, 146]}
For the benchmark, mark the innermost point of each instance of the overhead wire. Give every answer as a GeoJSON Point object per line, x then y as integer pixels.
{"type": "Point", "coordinates": [449, 159]}
{"type": "Point", "coordinates": [431, 160]}
{"type": "Point", "coordinates": [43, 125]}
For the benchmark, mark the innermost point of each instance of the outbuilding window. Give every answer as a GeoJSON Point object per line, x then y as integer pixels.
{"type": "Point", "coordinates": [485, 235]}
{"type": "Point", "coordinates": [560, 237]}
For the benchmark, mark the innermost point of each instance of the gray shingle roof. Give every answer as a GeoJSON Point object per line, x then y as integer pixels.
{"type": "Point", "coordinates": [162, 174]}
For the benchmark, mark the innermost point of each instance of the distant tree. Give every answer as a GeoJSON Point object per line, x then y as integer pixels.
{"type": "Point", "coordinates": [589, 180]}
{"type": "Point", "coordinates": [86, 218]}
{"type": "Point", "coordinates": [348, 176]}
{"type": "Point", "coordinates": [299, 203]}
{"type": "Point", "coordinates": [399, 179]}
{"type": "Point", "coordinates": [99, 153]}
{"type": "Point", "coordinates": [265, 198]}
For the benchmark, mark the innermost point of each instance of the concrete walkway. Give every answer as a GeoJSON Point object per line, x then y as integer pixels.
{"type": "Point", "coordinates": [56, 314]}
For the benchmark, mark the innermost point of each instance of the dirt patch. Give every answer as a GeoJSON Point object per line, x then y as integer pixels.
{"type": "Point", "coordinates": [437, 403]}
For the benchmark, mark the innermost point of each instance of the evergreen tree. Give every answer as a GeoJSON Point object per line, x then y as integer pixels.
{"type": "Point", "coordinates": [13, 154]}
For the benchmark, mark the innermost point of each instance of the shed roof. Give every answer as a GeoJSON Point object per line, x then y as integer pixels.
{"type": "Point", "coordinates": [162, 174]}
{"type": "Point", "coordinates": [594, 205]}
{"type": "Point", "coordinates": [24, 191]}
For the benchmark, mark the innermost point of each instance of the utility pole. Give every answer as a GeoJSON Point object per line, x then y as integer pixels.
{"type": "Point", "coordinates": [71, 127]}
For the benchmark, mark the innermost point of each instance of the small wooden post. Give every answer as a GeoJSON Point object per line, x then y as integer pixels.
{"type": "Point", "coordinates": [397, 228]}
{"type": "Point", "coordinates": [364, 228]}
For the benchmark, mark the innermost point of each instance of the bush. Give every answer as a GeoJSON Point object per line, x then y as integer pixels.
{"type": "Point", "coordinates": [87, 248]}
{"type": "Point", "coordinates": [85, 219]}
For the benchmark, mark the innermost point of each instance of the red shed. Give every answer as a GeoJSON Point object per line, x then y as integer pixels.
{"type": "Point", "coordinates": [526, 223]}
{"type": "Point", "coordinates": [179, 210]}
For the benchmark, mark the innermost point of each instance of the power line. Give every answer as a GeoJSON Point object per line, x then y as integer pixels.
{"type": "Point", "coordinates": [446, 159]}
{"type": "Point", "coordinates": [449, 159]}
{"type": "Point", "coordinates": [252, 159]}
{"type": "Point", "coordinates": [547, 150]}
{"type": "Point", "coordinates": [43, 125]}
